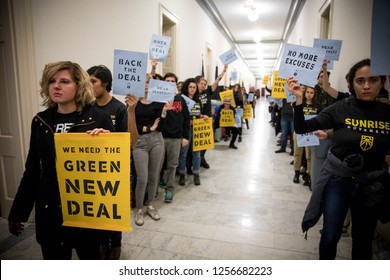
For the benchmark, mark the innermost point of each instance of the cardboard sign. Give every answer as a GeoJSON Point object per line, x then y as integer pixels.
{"type": "Point", "coordinates": [129, 73]}
{"type": "Point", "coordinates": [190, 103]}
{"type": "Point", "coordinates": [278, 84]}
{"type": "Point", "coordinates": [308, 139]}
{"type": "Point", "coordinates": [303, 63]}
{"type": "Point", "coordinates": [226, 118]}
{"type": "Point", "coordinates": [332, 47]}
{"type": "Point", "coordinates": [248, 111]}
{"type": "Point", "coordinates": [161, 91]}
{"type": "Point", "coordinates": [228, 57]}
{"type": "Point", "coordinates": [202, 134]}
{"type": "Point", "coordinates": [228, 94]}
{"type": "Point", "coordinates": [159, 47]}
{"type": "Point", "coordinates": [93, 173]}
{"type": "Point", "coordinates": [265, 79]}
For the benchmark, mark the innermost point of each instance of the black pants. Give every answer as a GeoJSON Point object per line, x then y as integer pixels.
{"type": "Point", "coordinates": [63, 251]}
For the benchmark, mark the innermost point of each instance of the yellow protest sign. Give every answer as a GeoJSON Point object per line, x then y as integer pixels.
{"type": "Point", "coordinates": [228, 94]}
{"type": "Point", "coordinates": [202, 134]}
{"type": "Point", "coordinates": [265, 80]}
{"type": "Point", "coordinates": [93, 173]}
{"type": "Point", "coordinates": [227, 118]}
{"type": "Point", "coordinates": [278, 86]}
{"type": "Point", "coordinates": [248, 112]}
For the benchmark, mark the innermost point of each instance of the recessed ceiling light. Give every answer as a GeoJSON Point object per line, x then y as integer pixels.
{"type": "Point", "coordinates": [253, 14]}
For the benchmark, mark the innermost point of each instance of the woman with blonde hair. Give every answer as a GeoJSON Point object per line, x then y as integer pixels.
{"type": "Point", "coordinates": [68, 95]}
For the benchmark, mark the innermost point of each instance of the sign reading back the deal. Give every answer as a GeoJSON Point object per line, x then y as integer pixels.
{"type": "Point", "coordinates": [159, 47]}
{"type": "Point", "coordinates": [161, 91]}
{"type": "Point", "coordinates": [202, 134]}
{"type": "Point", "coordinates": [129, 73]}
{"type": "Point", "coordinates": [228, 57]}
{"type": "Point", "coordinates": [93, 173]}
{"type": "Point", "coordinates": [302, 63]}
{"type": "Point", "coordinates": [332, 48]}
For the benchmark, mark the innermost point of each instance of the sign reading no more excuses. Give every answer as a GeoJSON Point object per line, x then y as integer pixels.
{"type": "Point", "coordinates": [302, 63]}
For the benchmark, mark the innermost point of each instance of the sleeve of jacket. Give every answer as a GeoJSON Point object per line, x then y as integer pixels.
{"type": "Point", "coordinates": [26, 195]}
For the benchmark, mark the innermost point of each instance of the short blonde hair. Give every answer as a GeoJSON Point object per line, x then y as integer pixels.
{"type": "Point", "coordinates": [84, 94]}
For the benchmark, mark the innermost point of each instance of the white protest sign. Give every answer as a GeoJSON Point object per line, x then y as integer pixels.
{"type": "Point", "coordinates": [228, 57]}
{"type": "Point", "coordinates": [161, 91]}
{"type": "Point", "coordinates": [302, 63]}
{"type": "Point", "coordinates": [190, 103]}
{"type": "Point", "coordinates": [250, 97]}
{"type": "Point", "coordinates": [240, 112]}
{"type": "Point", "coordinates": [233, 76]}
{"type": "Point", "coordinates": [332, 48]}
{"type": "Point", "coordinates": [237, 121]}
{"type": "Point", "coordinates": [159, 47]}
{"type": "Point", "coordinates": [290, 97]}
{"type": "Point", "coordinates": [307, 139]}
{"type": "Point", "coordinates": [129, 72]}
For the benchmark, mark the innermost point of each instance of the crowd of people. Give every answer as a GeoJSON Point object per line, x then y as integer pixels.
{"type": "Point", "coordinates": [346, 171]}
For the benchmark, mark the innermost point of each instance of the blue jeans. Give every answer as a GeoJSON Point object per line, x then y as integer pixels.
{"type": "Point", "coordinates": [287, 123]}
{"type": "Point", "coordinates": [339, 195]}
{"type": "Point", "coordinates": [183, 158]}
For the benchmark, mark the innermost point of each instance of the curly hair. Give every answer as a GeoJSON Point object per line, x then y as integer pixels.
{"type": "Point", "coordinates": [84, 95]}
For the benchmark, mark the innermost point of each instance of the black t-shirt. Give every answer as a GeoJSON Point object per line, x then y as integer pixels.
{"type": "Point", "coordinates": [117, 112]}
{"type": "Point", "coordinates": [146, 115]}
{"type": "Point", "coordinates": [359, 127]}
{"type": "Point", "coordinates": [63, 122]}
{"type": "Point", "coordinates": [205, 99]}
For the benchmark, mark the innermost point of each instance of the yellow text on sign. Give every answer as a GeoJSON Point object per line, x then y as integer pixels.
{"type": "Point", "coordinates": [227, 118]}
{"type": "Point", "coordinates": [202, 135]}
{"type": "Point", "coordinates": [94, 179]}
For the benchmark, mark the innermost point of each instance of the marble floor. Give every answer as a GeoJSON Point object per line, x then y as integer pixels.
{"type": "Point", "coordinates": [246, 208]}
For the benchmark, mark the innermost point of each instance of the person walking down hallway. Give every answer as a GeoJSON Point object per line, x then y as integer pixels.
{"type": "Point", "coordinates": [68, 95]}
{"type": "Point", "coordinates": [354, 174]}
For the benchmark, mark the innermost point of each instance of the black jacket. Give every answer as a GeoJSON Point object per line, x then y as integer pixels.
{"type": "Point", "coordinates": [39, 185]}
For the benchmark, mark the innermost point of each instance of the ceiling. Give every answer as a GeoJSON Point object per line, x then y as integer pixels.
{"type": "Point", "coordinates": [274, 25]}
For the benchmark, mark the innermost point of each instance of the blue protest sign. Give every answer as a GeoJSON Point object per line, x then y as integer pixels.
{"type": "Point", "coordinates": [129, 73]}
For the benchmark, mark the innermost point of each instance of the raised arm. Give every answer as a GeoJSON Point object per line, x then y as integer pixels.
{"type": "Point", "coordinates": [325, 81]}
{"type": "Point", "coordinates": [131, 102]}
{"type": "Point", "coordinates": [215, 84]}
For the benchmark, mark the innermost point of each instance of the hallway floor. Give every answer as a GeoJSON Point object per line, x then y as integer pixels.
{"type": "Point", "coordinates": [246, 208]}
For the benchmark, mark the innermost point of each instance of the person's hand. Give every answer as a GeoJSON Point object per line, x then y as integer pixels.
{"type": "Point", "coordinates": [131, 102]}
{"type": "Point", "coordinates": [184, 142]}
{"type": "Point", "coordinates": [294, 87]}
{"type": "Point", "coordinates": [321, 134]}
{"type": "Point", "coordinates": [325, 66]}
{"type": "Point", "coordinates": [154, 63]}
{"type": "Point", "coordinates": [225, 67]}
{"type": "Point", "coordinates": [96, 131]}
{"type": "Point", "coordinates": [168, 106]}
{"type": "Point", "coordinates": [155, 124]}
{"type": "Point", "coordinates": [15, 228]}
{"type": "Point", "coordinates": [205, 117]}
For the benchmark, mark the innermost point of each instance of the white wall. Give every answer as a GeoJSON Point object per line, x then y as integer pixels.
{"type": "Point", "coordinates": [350, 22]}
{"type": "Point", "coordinates": [88, 31]}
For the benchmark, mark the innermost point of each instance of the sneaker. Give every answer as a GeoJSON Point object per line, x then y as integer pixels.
{"type": "Point", "coordinates": [280, 151]}
{"type": "Point", "coordinates": [168, 196]}
{"type": "Point", "coordinates": [196, 180]}
{"type": "Point", "coordinates": [239, 138]}
{"type": "Point", "coordinates": [152, 213]}
{"type": "Point", "coordinates": [233, 147]}
{"type": "Point", "coordinates": [182, 180]}
{"type": "Point", "coordinates": [139, 218]}
{"type": "Point", "coordinates": [162, 182]}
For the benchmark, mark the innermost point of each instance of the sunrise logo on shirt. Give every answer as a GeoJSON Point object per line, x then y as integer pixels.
{"type": "Point", "coordinates": [366, 142]}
